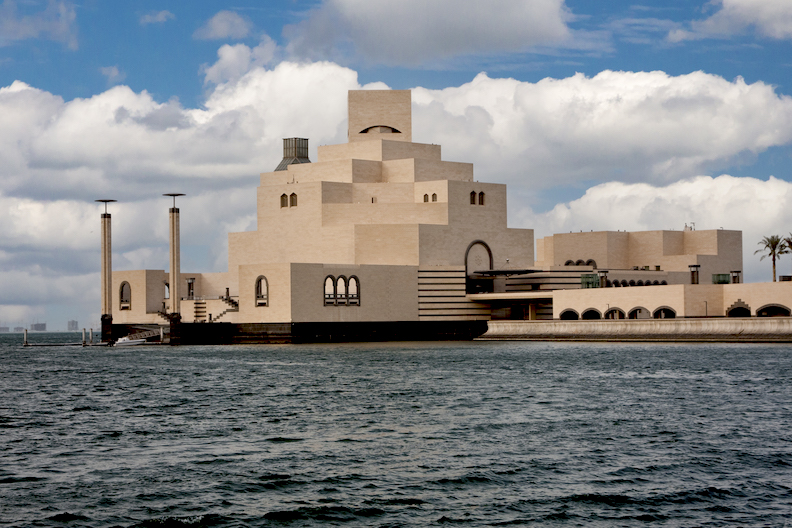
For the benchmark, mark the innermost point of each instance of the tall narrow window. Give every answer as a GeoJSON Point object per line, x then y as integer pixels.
{"type": "Point", "coordinates": [354, 291]}
{"type": "Point", "coordinates": [329, 291]}
{"type": "Point", "coordinates": [481, 198]}
{"type": "Point", "coordinates": [262, 291]}
{"type": "Point", "coordinates": [472, 197]}
{"type": "Point", "coordinates": [125, 296]}
{"type": "Point", "coordinates": [434, 197]}
{"type": "Point", "coordinates": [426, 197]}
{"type": "Point", "coordinates": [292, 200]}
{"type": "Point", "coordinates": [341, 291]}
{"type": "Point", "coordinates": [284, 200]}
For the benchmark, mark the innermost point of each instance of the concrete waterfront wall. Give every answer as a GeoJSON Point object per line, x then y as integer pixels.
{"type": "Point", "coordinates": [765, 329]}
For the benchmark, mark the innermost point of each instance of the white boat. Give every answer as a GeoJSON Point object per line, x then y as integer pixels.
{"type": "Point", "coordinates": [126, 341]}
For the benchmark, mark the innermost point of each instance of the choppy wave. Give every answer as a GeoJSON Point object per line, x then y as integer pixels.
{"type": "Point", "coordinates": [469, 434]}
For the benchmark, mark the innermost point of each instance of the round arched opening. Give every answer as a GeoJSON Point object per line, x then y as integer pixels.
{"type": "Point", "coordinates": [614, 313]}
{"type": "Point", "coordinates": [664, 313]}
{"type": "Point", "coordinates": [773, 310]}
{"type": "Point", "coordinates": [591, 313]}
{"type": "Point", "coordinates": [569, 315]}
{"type": "Point", "coordinates": [739, 311]}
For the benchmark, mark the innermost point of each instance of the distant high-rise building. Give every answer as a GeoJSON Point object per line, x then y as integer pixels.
{"type": "Point", "coordinates": [38, 327]}
{"type": "Point", "coordinates": [71, 326]}
{"type": "Point", "coordinates": [19, 329]}
{"type": "Point", "coordinates": [3, 329]}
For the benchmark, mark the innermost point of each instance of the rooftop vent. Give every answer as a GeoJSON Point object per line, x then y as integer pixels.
{"type": "Point", "coordinates": [295, 150]}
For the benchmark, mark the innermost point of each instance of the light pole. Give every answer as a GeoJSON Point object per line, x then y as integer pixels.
{"type": "Point", "coordinates": [107, 274]}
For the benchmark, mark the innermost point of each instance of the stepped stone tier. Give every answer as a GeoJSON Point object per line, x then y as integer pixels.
{"type": "Point", "coordinates": [381, 238]}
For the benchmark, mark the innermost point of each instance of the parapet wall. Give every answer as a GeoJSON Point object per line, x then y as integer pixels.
{"type": "Point", "coordinates": [765, 329]}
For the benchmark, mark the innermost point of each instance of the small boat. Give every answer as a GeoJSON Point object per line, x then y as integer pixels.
{"type": "Point", "coordinates": [126, 341]}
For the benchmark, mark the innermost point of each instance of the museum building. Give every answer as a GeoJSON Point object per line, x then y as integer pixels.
{"type": "Point", "coordinates": [380, 238]}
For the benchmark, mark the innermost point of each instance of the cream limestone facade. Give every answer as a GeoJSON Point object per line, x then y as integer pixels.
{"type": "Point", "coordinates": [383, 230]}
{"type": "Point", "coordinates": [377, 229]}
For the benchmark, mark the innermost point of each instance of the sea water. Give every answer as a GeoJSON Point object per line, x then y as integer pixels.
{"type": "Point", "coordinates": [396, 434]}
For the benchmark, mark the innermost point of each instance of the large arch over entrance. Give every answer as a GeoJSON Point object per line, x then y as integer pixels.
{"type": "Point", "coordinates": [478, 257]}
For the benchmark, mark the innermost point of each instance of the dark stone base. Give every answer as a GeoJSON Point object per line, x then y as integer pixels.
{"type": "Point", "coordinates": [107, 328]}
{"type": "Point", "coordinates": [251, 333]}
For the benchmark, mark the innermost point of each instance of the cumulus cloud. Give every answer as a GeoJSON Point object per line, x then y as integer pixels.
{"type": "Point", "coordinates": [156, 18]}
{"type": "Point", "coordinates": [56, 22]}
{"type": "Point", "coordinates": [234, 61]}
{"type": "Point", "coordinates": [416, 31]}
{"type": "Point", "coordinates": [769, 18]}
{"type": "Point", "coordinates": [628, 126]}
{"type": "Point", "coordinates": [225, 24]}
{"type": "Point", "coordinates": [647, 130]}
{"type": "Point", "coordinates": [756, 207]}
{"type": "Point", "coordinates": [113, 74]}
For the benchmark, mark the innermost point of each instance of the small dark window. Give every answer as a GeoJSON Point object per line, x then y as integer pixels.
{"type": "Point", "coordinates": [125, 296]}
{"type": "Point", "coordinates": [262, 291]}
{"type": "Point", "coordinates": [284, 200]}
{"type": "Point", "coordinates": [426, 197]}
{"type": "Point", "coordinates": [473, 197]}
{"type": "Point", "coordinates": [434, 197]}
{"type": "Point", "coordinates": [293, 200]}
{"type": "Point", "coordinates": [481, 198]}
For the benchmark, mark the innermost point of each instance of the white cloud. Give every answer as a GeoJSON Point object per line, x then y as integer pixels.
{"type": "Point", "coordinates": [758, 208]}
{"type": "Point", "coordinates": [235, 61]}
{"type": "Point", "coordinates": [113, 74]}
{"type": "Point", "coordinates": [57, 22]}
{"type": "Point", "coordinates": [416, 31]}
{"type": "Point", "coordinates": [58, 156]}
{"type": "Point", "coordinates": [628, 126]}
{"type": "Point", "coordinates": [157, 17]}
{"type": "Point", "coordinates": [770, 18]}
{"type": "Point", "coordinates": [225, 24]}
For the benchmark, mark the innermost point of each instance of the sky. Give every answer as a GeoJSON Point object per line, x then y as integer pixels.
{"type": "Point", "coordinates": [597, 115]}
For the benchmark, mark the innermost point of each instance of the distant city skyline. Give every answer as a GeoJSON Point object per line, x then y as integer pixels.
{"type": "Point", "coordinates": [616, 115]}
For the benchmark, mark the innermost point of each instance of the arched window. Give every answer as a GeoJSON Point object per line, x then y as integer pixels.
{"type": "Point", "coordinates": [614, 313]}
{"type": "Point", "coordinates": [329, 291]}
{"type": "Point", "coordinates": [341, 291]}
{"type": "Point", "coordinates": [167, 290]}
{"type": "Point", "coordinates": [426, 197]}
{"type": "Point", "coordinates": [632, 283]}
{"type": "Point", "coordinates": [434, 197]}
{"type": "Point", "coordinates": [569, 263]}
{"type": "Point", "coordinates": [639, 283]}
{"type": "Point", "coordinates": [592, 263]}
{"type": "Point", "coordinates": [284, 200]}
{"type": "Point", "coordinates": [262, 291]}
{"type": "Point", "coordinates": [292, 200]}
{"type": "Point", "coordinates": [353, 287]}
{"type": "Point", "coordinates": [481, 198]}
{"type": "Point", "coordinates": [472, 197]}
{"type": "Point", "coordinates": [663, 283]}
{"type": "Point", "coordinates": [580, 263]}
{"type": "Point", "coordinates": [624, 283]}
{"type": "Point", "coordinates": [125, 296]}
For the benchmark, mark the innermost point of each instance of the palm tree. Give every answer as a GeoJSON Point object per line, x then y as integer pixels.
{"type": "Point", "coordinates": [788, 242]}
{"type": "Point", "coordinates": [774, 246]}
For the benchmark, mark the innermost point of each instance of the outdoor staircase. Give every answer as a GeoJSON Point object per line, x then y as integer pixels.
{"type": "Point", "coordinates": [199, 311]}
{"type": "Point", "coordinates": [233, 306]}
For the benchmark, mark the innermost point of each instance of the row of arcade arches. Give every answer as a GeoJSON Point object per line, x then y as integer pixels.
{"type": "Point", "coordinates": [581, 262]}
{"type": "Point", "coordinates": [639, 312]}
{"type": "Point", "coordinates": [341, 291]}
{"type": "Point", "coordinates": [738, 309]}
